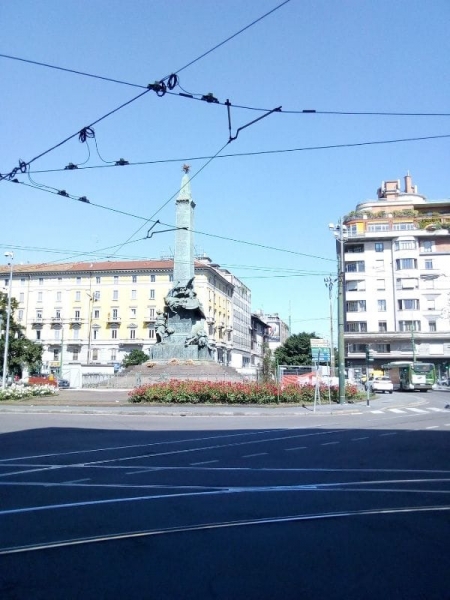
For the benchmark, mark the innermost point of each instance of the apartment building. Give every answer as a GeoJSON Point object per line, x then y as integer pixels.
{"type": "Point", "coordinates": [397, 278]}
{"type": "Point", "coordinates": [97, 312]}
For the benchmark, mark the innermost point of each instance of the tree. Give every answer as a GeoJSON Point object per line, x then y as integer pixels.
{"type": "Point", "coordinates": [267, 364]}
{"type": "Point", "coordinates": [21, 350]}
{"type": "Point", "coordinates": [296, 350]}
{"type": "Point", "coordinates": [135, 357]}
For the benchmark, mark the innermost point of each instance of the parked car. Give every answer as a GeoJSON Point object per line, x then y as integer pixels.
{"type": "Point", "coordinates": [63, 383]}
{"type": "Point", "coordinates": [380, 384]}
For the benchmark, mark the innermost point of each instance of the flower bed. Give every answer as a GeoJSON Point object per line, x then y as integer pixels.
{"type": "Point", "coordinates": [18, 392]}
{"type": "Point", "coordinates": [223, 392]}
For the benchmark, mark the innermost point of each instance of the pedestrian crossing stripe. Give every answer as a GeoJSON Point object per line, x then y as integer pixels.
{"type": "Point", "coordinates": [406, 409]}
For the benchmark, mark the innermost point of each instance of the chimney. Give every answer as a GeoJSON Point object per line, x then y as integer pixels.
{"type": "Point", "coordinates": [408, 185]}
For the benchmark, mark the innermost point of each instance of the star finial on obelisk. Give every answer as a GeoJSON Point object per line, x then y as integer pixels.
{"type": "Point", "coordinates": [186, 168]}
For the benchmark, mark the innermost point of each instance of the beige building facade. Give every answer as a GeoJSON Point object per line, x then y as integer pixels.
{"type": "Point", "coordinates": [397, 278]}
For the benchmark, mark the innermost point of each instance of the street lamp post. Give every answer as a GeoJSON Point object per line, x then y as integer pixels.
{"type": "Point", "coordinates": [9, 255]}
{"type": "Point", "coordinates": [329, 282]}
{"type": "Point", "coordinates": [340, 232]}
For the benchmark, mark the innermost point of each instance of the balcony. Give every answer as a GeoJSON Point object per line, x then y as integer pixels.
{"type": "Point", "coordinates": [113, 320]}
{"type": "Point", "coordinates": [35, 320]}
{"type": "Point", "coordinates": [149, 320]}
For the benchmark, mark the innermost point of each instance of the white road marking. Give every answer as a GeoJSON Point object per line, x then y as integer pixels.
{"type": "Point", "coordinates": [205, 462]}
{"type": "Point", "coordinates": [75, 481]}
{"type": "Point", "coordinates": [297, 448]}
{"type": "Point", "coordinates": [416, 410]}
{"type": "Point", "coordinates": [360, 438]}
{"type": "Point", "coordinates": [257, 454]}
{"type": "Point", "coordinates": [385, 434]}
{"type": "Point", "coordinates": [396, 410]}
{"type": "Point", "coordinates": [377, 412]}
{"type": "Point", "coordinates": [329, 443]}
{"type": "Point", "coordinates": [436, 409]}
{"type": "Point", "coordinates": [433, 427]}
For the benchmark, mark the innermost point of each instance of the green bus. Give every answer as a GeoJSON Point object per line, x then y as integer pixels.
{"type": "Point", "coordinates": [409, 375]}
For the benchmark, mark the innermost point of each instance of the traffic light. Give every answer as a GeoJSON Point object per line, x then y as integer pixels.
{"type": "Point", "coordinates": [369, 354]}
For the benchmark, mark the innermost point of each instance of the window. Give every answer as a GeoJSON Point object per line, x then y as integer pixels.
{"type": "Point", "coordinates": [132, 334]}
{"type": "Point", "coordinates": [38, 334]}
{"type": "Point", "coordinates": [115, 313]}
{"type": "Point", "coordinates": [78, 280]}
{"type": "Point", "coordinates": [114, 334]}
{"type": "Point", "coordinates": [357, 327]}
{"type": "Point", "coordinates": [39, 315]}
{"type": "Point", "coordinates": [373, 227]}
{"type": "Point", "coordinates": [151, 333]}
{"type": "Point", "coordinates": [428, 264]}
{"type": "Point", "coordinates": [116, 279]}
{"type": "Point", "coordinates": [358, 285]}
{"type": "Point", "coordinates": [405, 245]}
{"type": "Point", "coordinates": [382, 326]}
{"type": "Point", "coordinates": [77, 315]}
{"type": "Point", "coordinates": [56, 354]}
{"type": "Point", "coordinates": [133, 294]}
{"type": "Point", "coordinates": [39, 299]}
{"type": "Point", "coordinates": [133, 278]}
{"type": "Point", "coordinates": [379, 265]}
{"type": "Point", "coordinates": [427, 246]}
{"type": "Point", "coordinates": [76, 333]}
{"type": "Point", "coordinates": [409, 283]}
{"type": "Point", "coordinates": [6, 282]}
{"type": "Point", "coordinates": [57, 314]}
{"type": "Point", "coordinates": [113, 354]}
{"type": "Point", "coordinates": [403, 226]}
{"type": "Point", "coordinates": [405, 263]}
{"type": "Point", "coordinates": [170, 277]}
{"type": "Point", "coordinates": [355, 266]}
{"type": "Point", "coordinates": [59, 279]}
{"type": "Point", "coordinates": [152, 278]}
{"type": "Point", "coordinates": [22, 281]}
{"type": "Point", "coordinates": [429, 284]}
{"type": "Point", "coordinates": [432, 326]}
{"type": "Point", "coordinates": [21, 297]}
{"type": "Point", "coordinates": [95, 334]}
{"type": "Point", "coordinates": [115, 295]}
{"type": "Point", "coordinates": [77, 296]}
{"type": "Point", "coordinates": [408, 304]}
{"type": "Point", "coordinates": [386, 348]}
{"type": "Point", "coordinates": [96, 314]}
{"type": "Point", "coordinates": [152, 312]}
{"type": "Point", "coordinates": [152, 294]}
{"type": "Point", "coordinates": [98, 279]}
{"type": "Point", "coordinates": [58, 296]}
{"type": "Point", "coordinates": [356, 306]}
{"type": "Point", "coordinates": [75, 355]}
{"type": "Point", "coordinates": [20, 315]}
{"type": "Point", "coordinates": [381, 284]}
{"type": "Point", "coordinates": [95, 354]}
{"type": "Point", "coordinates": [379, 247]}
{"type": "Point", "coordinates": [57, 334]}
{"type": "Point", "coordinates": [41, 281]}
{"type": "Point", "coordinates": [97, 295]}
{"type": "Point", "coordinates": [133, 312]}
{"type": "Point", "coordinates": [352, 248]}
{"type": "Point", "coordinates": [431, 304]}
{"type": "Point", "coordinates": [409, 325]}
{"type": "Point", "coordinates": [381, 305]}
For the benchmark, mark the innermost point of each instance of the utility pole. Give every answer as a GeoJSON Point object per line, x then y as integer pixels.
{"type": "Point", "coordinates": [9, 255]}
{"type": "Point", "coordinates": [340, 232]}
{"type": "Point", "coordinates": [329, 282]}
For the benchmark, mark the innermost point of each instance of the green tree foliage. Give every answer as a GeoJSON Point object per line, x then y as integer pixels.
{"type": "Point", "coordinates": [135, 357]}
{"type": "Point", "coordinates": [21, 350]}
{"type": "Point", "coordinates": [296, 350]}
{"type": "Point", "coordinates": [268, 367]}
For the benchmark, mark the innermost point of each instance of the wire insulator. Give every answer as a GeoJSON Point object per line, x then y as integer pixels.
{"type": "Point", "coordinates": [23, 166]}
{"type": "Point", "coordinates": [210, 98]}
{"type": "Point", "coordinates": [70, 167]}
{"type": "Point", "coordinates": [85, 133]}
{"type": "Point", "coordinates": [159, 87]}
{"type": "Point", "coordinates": [84, 199]}
{"type": "Point", "coordinates": [172, 82]}
{"type": "Point", "coordinates": [63, 193]}
{"type": "Point", "coordinates": [121, 162]}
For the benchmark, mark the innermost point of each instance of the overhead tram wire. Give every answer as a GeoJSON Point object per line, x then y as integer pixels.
{"type": "Point", "coordinates": [258, 153]}
{"type": "Point", "coordinates": [148, 220]}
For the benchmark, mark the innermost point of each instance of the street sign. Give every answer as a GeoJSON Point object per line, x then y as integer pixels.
{"type": "Point", "coordinates": [321, 354]}
{"type": "Point", "coordinates": [319, 343]}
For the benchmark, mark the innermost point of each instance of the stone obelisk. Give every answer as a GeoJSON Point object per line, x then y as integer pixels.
{"type": "Point", "coordinates": [183, 264]}
{"type": "Point", "coordinates": [180, 327]}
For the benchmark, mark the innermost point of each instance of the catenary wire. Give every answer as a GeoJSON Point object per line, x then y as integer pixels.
{"type": "Point", "coordinates": [148, 220]}
{"type": "Point", "coordinates": [262, 152]}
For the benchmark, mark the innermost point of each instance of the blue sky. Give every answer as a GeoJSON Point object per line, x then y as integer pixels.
{"type": "Point", "coordinates": [331, 56]}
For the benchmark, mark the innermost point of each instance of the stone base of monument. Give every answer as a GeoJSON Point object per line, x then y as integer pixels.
{"type": "Point", "coordinates": [169, 351]}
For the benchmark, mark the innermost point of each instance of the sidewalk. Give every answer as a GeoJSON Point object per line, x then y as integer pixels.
{"type": "Point", "coordinates": [97, 401]}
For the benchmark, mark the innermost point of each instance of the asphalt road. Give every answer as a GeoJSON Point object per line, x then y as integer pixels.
{"type": "Point", "coordinates": [111, 503]}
